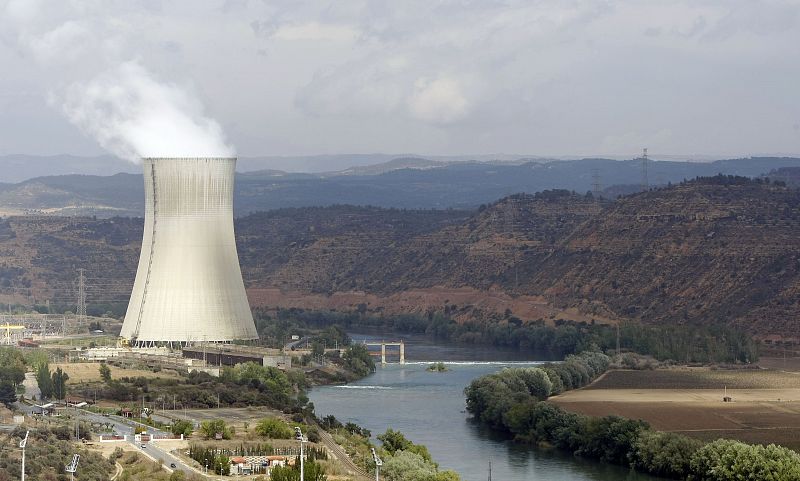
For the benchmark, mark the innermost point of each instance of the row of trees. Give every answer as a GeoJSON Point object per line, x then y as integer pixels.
{"type": "Point", "coordinates": [53, 385]}
{"type": "Point", "coordinates": [215, 461]}
{"type": "Point", "coordinates": [664, 342]}
{"type": "Point", "coordinates": [491, 397]}
{"type": "Point", "coordinates": [514, 401]}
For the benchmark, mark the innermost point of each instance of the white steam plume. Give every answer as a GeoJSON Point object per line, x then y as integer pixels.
{"type": "Point", "coordinates": [132, 115]}
{"type": "Point", "coordinates": [83, 51]}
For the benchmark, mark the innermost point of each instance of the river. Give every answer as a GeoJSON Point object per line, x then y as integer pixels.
{"type": "Point", "coordinates": [428, 407]}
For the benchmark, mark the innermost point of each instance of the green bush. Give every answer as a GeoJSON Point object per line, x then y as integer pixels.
{"type": "Point", "coordinates": [394, 441]}
{"type": "Point", "coordinates": [210, 429]}
{"type": "Point", "coordinates": [665, 454]}
{"type": "Point", "coordinates": [725, 460]}
{"type": "Point", "coordinates": [274, 428]}
{"type": "Point", "coordinates": [182, 427]}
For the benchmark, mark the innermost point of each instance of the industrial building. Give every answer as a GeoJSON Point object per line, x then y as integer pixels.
{"type": "Point", "coordinates": [188, 286]}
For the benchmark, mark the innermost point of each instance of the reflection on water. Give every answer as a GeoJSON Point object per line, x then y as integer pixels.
{"type": "Point", "coordinates": [428, 407]}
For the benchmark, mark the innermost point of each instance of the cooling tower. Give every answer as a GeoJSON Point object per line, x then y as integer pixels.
{"type": "Point", "coordinates": [188, 285]}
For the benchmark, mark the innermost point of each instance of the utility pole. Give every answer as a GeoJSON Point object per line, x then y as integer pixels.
{"type": "Point", "coordinates": [617, 338]}
{"type": "Point", "coordinates": [298, 435]}
{"type": "Point", "coordinates": [81, 296]}
{"type": "Point", "coordinates": [22, 445]}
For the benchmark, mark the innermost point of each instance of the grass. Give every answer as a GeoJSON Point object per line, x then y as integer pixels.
{"type": "Point", "coordinates": [90, 372]}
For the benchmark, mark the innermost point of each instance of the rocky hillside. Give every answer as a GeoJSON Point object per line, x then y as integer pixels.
{"type": "Point", "coordinates": [720, 249]}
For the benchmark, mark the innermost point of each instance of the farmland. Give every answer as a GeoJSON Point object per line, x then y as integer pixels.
{"type": "Point", "coordinates": [765, 405]}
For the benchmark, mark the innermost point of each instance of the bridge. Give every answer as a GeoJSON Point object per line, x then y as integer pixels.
{"type": "Point", "coordinates": [384, 344]}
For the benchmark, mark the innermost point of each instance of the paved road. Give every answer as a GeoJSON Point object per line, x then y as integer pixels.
{"type": "Point", "coordinates": [31, 386]}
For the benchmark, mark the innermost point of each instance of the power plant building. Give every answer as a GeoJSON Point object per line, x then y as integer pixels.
{"type": "Point", "coordinates": [188, 286]}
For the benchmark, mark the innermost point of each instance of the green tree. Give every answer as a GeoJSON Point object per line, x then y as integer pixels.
{"type": "Point", "coordinates": [210, 429]}
{"type": "Point", "coordinates": [44, 380]}
{"type": "Point", "coordinates": [60, 384]}
{"type": "Point", "coordinates": [274, 428]}
{"type": "Point", "coordinates": [725, 460]}
{"type": "Point", "coordinates": [408, 466]}
{"type": "Point", "coordinates": [105, 373]}
{"type": "Point", "coordinates": [357, 359]}
{"type": "Point", "coordinates": [12, 366]}
{"type": "Point", "coordinates": [665, 454]}
{"type": "Point", "coordinates": [182, 427]}
{"type": "Point", "coordinates": [394, 441]}
{"type": "Point", "coordinates": [8, 394]}
{"type": "Point", "coordinates": [312, 471]}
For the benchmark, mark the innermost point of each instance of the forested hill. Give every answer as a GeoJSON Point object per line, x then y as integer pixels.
{"type": "Point", "coordinates": [721, 249]}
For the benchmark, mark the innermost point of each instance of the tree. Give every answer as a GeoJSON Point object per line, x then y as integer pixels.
{"type": "Point", "coordinates": [357, 359]}
{"type": "Point", "coordinates": [408, 466]}
{"type": "Point", "coordinates": [12, 366]}
{"type": "Point", "coordinates": [44, 380]}
{"type": "Point", "coordinates": [665, 454]}
{"type": "Point", "coordinates": [60, 384]}
{"type": "Point", "coordinates": [274, 428]}
{"type": "Point", "coordinates": [182, 427]}
{"type": "Point", "coordinates": [210, 429]}
{"type": "Point", "coordinates": [312, 471]}
{"type": "Point", "coordinates": [8, 395]}
{"type": "Point", "coordinates": [394, 441]}
{"type": "Point", "coordinates": [105, 373]}
{"type": "Point", "coordinates": [725, 460]}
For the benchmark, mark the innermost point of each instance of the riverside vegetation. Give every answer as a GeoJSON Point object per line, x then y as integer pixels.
{"type": "Point", "coordinates": [514, 401]}
{"type": "Point", "coordinates": [703, 344]}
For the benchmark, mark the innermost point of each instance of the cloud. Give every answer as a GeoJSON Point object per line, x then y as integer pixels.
{"type": "Point", "coordinates": [438, 101]}
{"type": "Point", "coordinates": [544, 77]}
{"type": "Point", "coordinates": [315, 31]}
{"type": "Point", "coordinates": [133, 115]}
{"type": "Point", "coordinates": [64, 43]}
{"type": "Point", "coordinates": [100, 84]}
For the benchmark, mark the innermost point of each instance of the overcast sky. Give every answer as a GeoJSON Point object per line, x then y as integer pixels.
{"type": "Point", "coordinates": [699, 77]}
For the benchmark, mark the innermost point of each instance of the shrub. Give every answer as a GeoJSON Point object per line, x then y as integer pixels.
{"type": "Point", "coordinates": [665, 454]}
{"type": "Point", "coordinates": [725, 460]}
{"type": "Point", "coordinates": [274, 428]}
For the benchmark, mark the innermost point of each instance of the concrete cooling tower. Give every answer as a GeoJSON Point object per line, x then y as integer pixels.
{"type": "Point", "coordinates": [188, 285]}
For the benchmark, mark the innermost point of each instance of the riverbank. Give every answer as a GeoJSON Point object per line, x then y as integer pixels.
{"type": "Point", "coordinates": [764, 404]}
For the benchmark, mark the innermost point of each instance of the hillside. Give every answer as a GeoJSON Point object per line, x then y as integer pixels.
{"type": "Point", "coordinates": [721, 249]}
{"type": "Point", "coordinates": [406, 183]}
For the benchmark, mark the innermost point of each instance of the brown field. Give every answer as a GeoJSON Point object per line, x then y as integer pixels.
{"type": "Point", "coordinates": [90, 371]}
{"type": "Point", "coordinates": [698, 378]}
{"type": "Point", "coordinates": [765, 407]}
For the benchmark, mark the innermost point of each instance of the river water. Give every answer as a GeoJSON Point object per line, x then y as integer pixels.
{"type": "Point", "coordinates": [428, 407]}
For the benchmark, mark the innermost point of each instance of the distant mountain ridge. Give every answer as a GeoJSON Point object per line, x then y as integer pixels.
{"type": "Point", "coordinates": [408, 182]}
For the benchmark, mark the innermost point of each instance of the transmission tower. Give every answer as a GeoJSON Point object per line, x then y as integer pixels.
{"type": "Point", "coordinates": [81, 296]}
{"type": "Point", "coordinates": [596, 183]}
{"type": "Point", "coordinates": [645, 183]}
